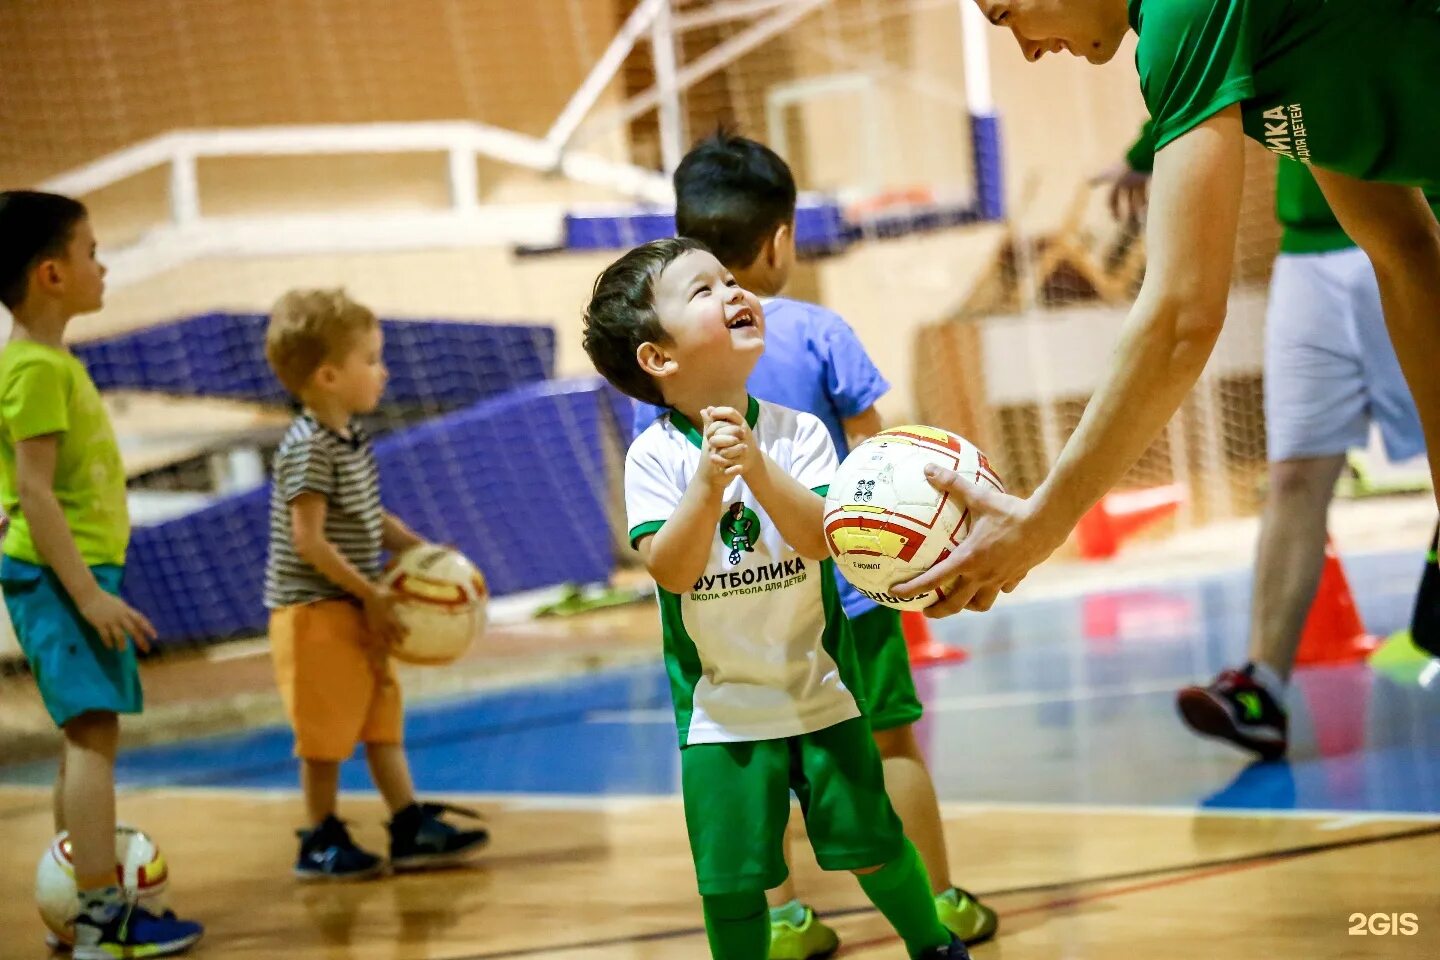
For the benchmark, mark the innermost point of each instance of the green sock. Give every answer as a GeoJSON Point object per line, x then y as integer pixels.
{"type": "Point", "coordinates": [738, 925]}
{"type": "Point", "coordinates": [901, 891]}
{"type": "Point", "coordinates": [792, 913]}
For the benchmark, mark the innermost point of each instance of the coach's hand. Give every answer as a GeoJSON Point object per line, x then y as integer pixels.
{"type": "Point", "coordinates": [1007, 538]}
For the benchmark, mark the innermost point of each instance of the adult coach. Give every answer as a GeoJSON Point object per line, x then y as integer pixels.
{"type": "Point", "coordinates": [1330, 373]}
{"type": "Point", "coordinates": [1346, 86]}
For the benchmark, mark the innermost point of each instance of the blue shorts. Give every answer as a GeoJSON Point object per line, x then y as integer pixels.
{"type": "Point", "coordinates": [74, 669]}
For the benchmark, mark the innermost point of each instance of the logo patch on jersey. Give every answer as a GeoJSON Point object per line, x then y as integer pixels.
{"type": "Point", "coordinates": [739, 530]}
{"type": "Point", "coordinates": [1285, 133]}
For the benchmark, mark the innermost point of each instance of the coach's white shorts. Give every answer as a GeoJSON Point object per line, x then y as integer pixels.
{"type": "Point", "coordinates": [1329, 366]}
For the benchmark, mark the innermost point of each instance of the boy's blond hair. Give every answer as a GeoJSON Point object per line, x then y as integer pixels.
{"type": "Point", "coordinates": [309, 327]}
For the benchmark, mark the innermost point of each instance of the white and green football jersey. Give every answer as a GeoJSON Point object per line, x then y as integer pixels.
{"type": "Point", "coordinates": [755, 648]}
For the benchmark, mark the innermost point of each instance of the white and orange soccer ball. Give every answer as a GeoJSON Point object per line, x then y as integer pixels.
{"type": "Point", "coordinates": [441, 599]}
{"type": "Point", "coordinates": [143, 874]}
{"type": "Point", "coordinates": [885, 524]}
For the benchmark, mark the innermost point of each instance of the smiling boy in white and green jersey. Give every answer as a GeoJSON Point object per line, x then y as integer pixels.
{"type": "Point", "coordinates": [724, 499]}
{"type": "Point", "coordinates": [737, 196]}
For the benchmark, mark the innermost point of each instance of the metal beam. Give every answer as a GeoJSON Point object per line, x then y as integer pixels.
{"type": "Point", "coordinates": [602, 73]}
{"type": "Point", "coordinates": [672, 120]}
{"type": "Point", "coordinates": [714, 60]}
{"type": "Point", "coordinates": [723, 12]}
{"type": "Point", "coordinates": [975, 58]}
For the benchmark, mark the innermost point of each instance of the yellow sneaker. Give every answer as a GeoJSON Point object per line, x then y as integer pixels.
{"type": "Point", "coordinates": [808, 940]}
{"type": "Point", "coordinates": [966, 917]}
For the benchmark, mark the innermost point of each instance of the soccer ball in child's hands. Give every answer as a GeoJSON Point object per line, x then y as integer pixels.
{"type": "Point", "coordinates": [440, 600]}
{"type": "Point", "coordinates": [885, 523]}
{"type": "Point", "coordinates": [143, 875]}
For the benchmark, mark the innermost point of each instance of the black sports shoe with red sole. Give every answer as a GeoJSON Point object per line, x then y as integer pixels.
{"type": "Point", "coordinates": [1237, 709]}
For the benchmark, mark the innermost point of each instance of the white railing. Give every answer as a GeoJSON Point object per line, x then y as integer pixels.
{"type": "Point", "coordinates": [188, 234]}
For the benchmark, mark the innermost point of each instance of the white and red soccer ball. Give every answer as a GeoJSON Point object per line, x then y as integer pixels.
{"type": "Point", "coordinates": [885, 523]}
{"type": "Point", "coordinates": [143, 874]}
{"type": "Point", "coordinates": [441, 599]}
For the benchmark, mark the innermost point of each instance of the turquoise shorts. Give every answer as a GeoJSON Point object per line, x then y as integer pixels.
{"type": "Point", "coordinates": [75, 671]}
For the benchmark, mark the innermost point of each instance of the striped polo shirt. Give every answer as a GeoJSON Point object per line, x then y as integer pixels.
{"type": "Point", "coordinates": [313, 457]}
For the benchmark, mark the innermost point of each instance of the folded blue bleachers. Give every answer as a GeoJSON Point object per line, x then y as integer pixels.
{"type": "Point", "coordinates": [446, 364]}
{"type": "Point", "coordinates": [511, 466]}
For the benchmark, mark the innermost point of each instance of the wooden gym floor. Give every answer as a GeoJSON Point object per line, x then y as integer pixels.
{"type": "Point", "coordinates": [1074, 800]}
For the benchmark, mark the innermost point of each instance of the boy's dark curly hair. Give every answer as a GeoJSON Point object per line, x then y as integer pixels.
{"type": "Point", "coordinates": [621, 316]}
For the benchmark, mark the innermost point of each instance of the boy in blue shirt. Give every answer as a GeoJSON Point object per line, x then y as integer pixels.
{"type": "Point", "coordinates": [738, 198]}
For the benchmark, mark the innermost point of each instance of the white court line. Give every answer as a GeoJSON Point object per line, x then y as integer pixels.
{"type": "Point", "coordinates": [1336, 819]}
{"type": "Point", "coordinates": [1357, 820]}
{"type": "Point", "coordinates": [969, 703]}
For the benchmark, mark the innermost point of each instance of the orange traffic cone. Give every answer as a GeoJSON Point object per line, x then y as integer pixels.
{"type": "Point", "coordinates": [922, 645]}
{"type": "Point", "coordinates": [1333, 632]}
{"type": "Point", "coordinates": [1120, 514]}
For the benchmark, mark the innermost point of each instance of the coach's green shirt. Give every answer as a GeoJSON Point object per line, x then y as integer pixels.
{"type": "Point", "coordinates": [1310, 226]}
{"type": "Point", "coordinates": [1349, 85]}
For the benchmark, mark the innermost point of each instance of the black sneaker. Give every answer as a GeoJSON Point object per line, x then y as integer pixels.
{"type": "Point", "coordinates": [328, 853]}
{"type": "Point", "coordinates": [956, 951]}
{"type": "Point", "coordinates": [1236, 708]}
{"type": "Point", "coordinates": [420, 839]}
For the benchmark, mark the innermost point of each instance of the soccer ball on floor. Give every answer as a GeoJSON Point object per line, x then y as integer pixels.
{"type": "Point", "coordinates": [885, 524]}
{"type": "Point", "coordinates": [143, 875]}
{"type": "Point", "coordinates": [441, 600]}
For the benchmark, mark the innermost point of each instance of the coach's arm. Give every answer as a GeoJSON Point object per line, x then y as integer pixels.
{"type": "Point", "coordinates": [1163, 347]}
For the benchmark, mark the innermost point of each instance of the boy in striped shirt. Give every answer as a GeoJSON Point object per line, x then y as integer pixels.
{"type": "Point", "coordinates": [332, 621]}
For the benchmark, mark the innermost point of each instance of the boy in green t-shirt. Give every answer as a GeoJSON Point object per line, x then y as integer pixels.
{"type": "Point", "coordinates": [63, 487]}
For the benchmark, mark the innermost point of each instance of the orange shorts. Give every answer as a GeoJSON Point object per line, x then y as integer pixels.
{"type": "Point", "coordinates": [335, 695]}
